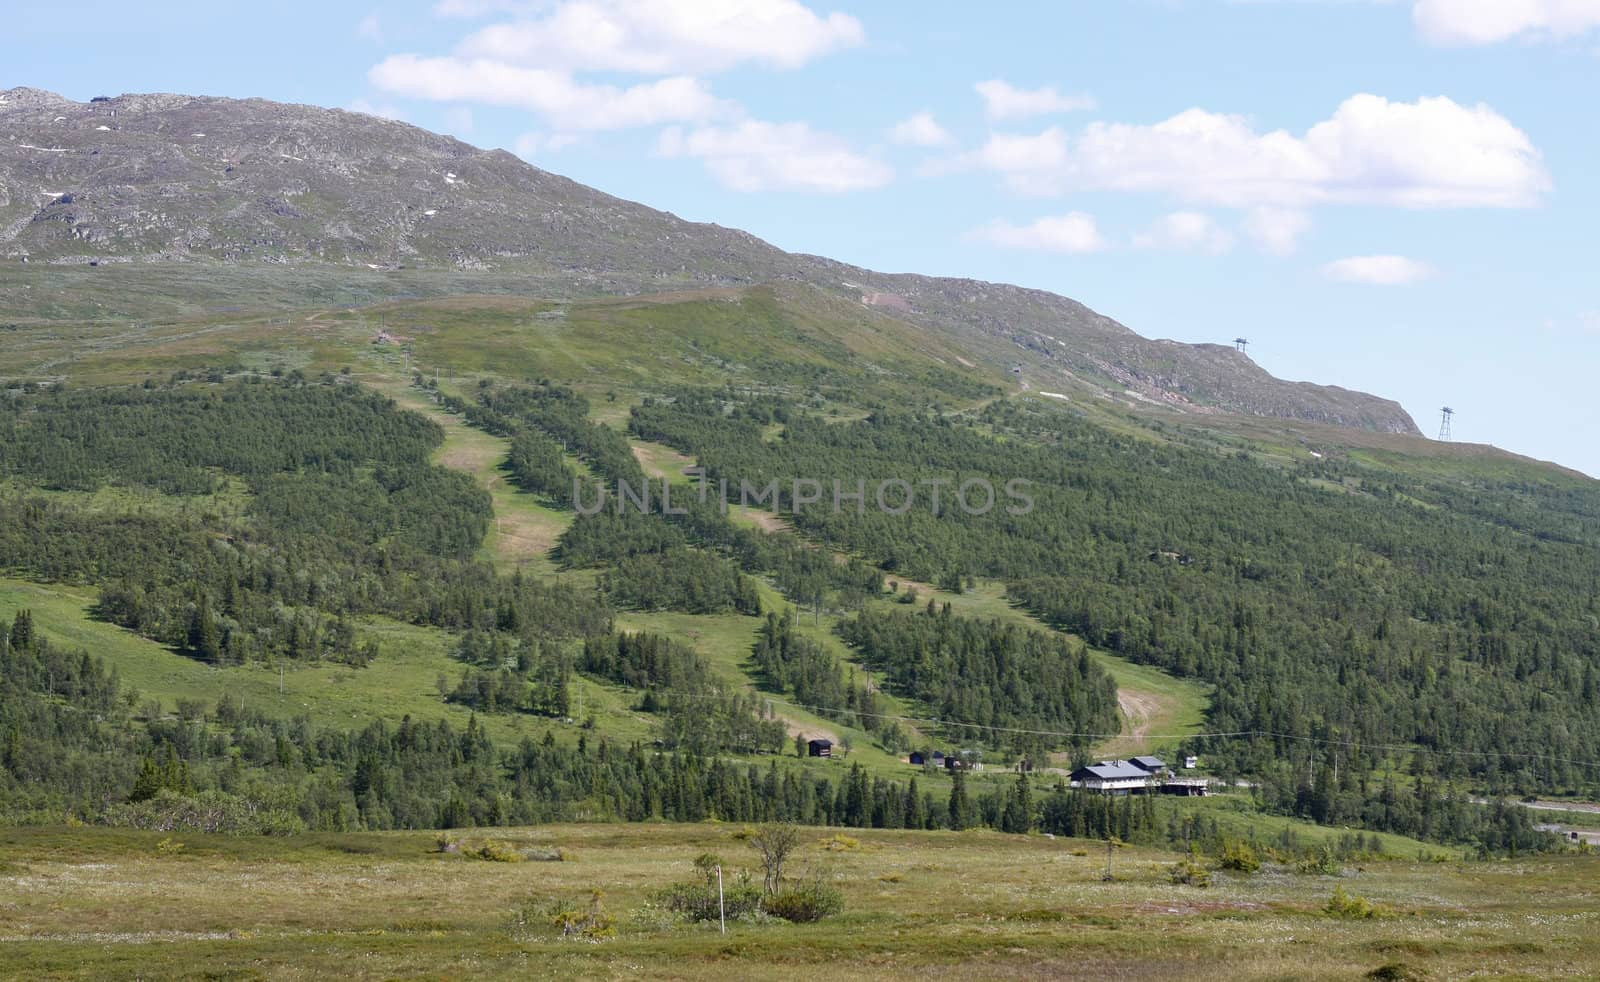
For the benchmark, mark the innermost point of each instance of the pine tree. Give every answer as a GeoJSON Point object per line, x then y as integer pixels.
{"type": "Point", "coordinates": [1018, 814]}
{"type": "Point", "coordinates": [913, 806]}
{"type": "Point", "coordinates": [961, 813]}
{"type": "Point", "coordinates": [22, 636]}
{"type": "Point", "coordinates": [205, 642]}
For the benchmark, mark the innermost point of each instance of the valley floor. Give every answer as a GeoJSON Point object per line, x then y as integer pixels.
{"type": "Point", "coordinates": [108, 903]}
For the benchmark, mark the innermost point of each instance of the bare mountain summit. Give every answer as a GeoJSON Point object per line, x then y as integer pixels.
{"type": "Point", "coordinates": [184, 179]}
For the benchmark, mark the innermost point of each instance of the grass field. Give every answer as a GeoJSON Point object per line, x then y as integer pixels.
{"type": "Point", "coordinates": [402, 681]}
{"type": "Point", "coordinates": [524, 529]}
{"type": "Point", "coordinates": [109, 903]}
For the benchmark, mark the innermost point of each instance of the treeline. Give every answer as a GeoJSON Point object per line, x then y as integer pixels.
{"type": "Point", "coordinates": [988, 674]}
{"type": "Point", "coordinates": [1369, 606]}
{"type": "Point", "coordinates": [344, 516]}
{"type": "Point", "coordinates": [71, 746]}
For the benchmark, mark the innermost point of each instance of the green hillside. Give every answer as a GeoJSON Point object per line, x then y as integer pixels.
{"type": "Point", "coordinates": [278, 588]}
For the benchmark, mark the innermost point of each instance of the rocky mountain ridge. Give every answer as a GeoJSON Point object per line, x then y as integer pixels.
{"type": "Point", "coordinates": [193, 179]}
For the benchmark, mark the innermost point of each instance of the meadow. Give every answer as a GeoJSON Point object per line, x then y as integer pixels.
{"type": "Point", "coordinates": [929, 905]}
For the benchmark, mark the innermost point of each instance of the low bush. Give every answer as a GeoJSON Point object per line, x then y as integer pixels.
{"type": "Point", "coordinates": [1324, 862]}
{"type": "Point", "coordinates": [1239, 857]}
{"type": "Point", "coordinates": [569, 917]}
{"type": "Point", "coordinates": [804, 903]}
{"type": "Point", "coordinates": [741, 898]}
{"type": "Point", "coordinates": [1189, 872]}
{"type": "Point", "coordinates": [498, 852]}
{"type": "Point", "coordinates": [1349, 907]}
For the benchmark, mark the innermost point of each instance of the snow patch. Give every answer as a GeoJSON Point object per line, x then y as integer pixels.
{"type": "Point", "coordinates": [29, 146]}
{"type": "Point", "coordinates": [105, 128]}
{"type": "Point", "coordinates": [1054, 395]}
{"type": "Point", "coordinates": [290, 156]}
{"type": "Point", "coordinates": [197, 134]}
{"type": "Point", "coordinates": [431, 212]}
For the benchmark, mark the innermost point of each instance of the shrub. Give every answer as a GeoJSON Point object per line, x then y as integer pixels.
{"type": "Point", "coordinates": [547, 855]}
{"type": "Point", "coordinates": [1323, 862]}
{"type": "Point", "coordinates": [1238, 856]}
{"type": "Point", "coordinates": [267, 812]}
{"type": "Point", "coordinates": [571, 917]}
{"type": "Point", "coordinates": [803, 903]}
{"type": "Point", "coordinates": [1189, 872]}
{"type": "Point", "coordinates": [706, 864]}
{"type": "Point", "coordinates": [741, 897]}
{"type": "Point", "coordinates": [1349, 907]}
{"type": "Point", "coordinates": [775, 841]}
{"type": "Point", "coordinates": [498, 852]}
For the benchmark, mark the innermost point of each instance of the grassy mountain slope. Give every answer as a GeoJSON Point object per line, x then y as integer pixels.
{"type": "Point", "coordinates": [142, 178]}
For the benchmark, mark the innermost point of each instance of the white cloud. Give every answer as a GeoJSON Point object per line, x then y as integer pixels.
{"type": "Point", "coordinates": [1432, 153]}
{"type": "Point", "coordinates": [1378, 270]}
{"type": "Point", "coordinates": [919, 130]}
{"type": "Point", "coordinates": [761, 156]}
{"type": "Point", "coordinates": [1277, 231]}
{"type": "Point", "coordinates": [1029, 164]}
{"type": "Point", "coordinates": [1186, 231]}
{"type": "Point", "coordinates": [482, 8]}
{"type": "Point", "coordinates": [659, 37]}
{"type": "Point", "coordinates": [381, 110]}
{"type": "Point", "coordinates": [1001, 100]}
{"type": "Point", "coordinates": [567, 103]}
{"type": "Point", "coordinates": [370, 29]}
{"type": "Point", "coordinates": [1589, 322]}
{"type": "Point", "coordinates": [1074, 232]}
{"type": "Point", "coordinates": [1474, 22]}
{"type": "Point", "coordinates": [1480, 22]}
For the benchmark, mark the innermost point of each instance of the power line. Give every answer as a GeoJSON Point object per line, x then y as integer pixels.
{"type": "Point", "coordinates": [1213, 734]}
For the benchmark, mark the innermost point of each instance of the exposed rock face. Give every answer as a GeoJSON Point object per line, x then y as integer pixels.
{"type": "Point", "coordinates": [185, 179]}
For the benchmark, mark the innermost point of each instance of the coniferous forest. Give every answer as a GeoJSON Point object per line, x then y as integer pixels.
{"type": "Point", "coordinates": [1379, 645]}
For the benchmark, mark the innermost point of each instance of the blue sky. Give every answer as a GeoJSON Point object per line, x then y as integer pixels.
{"type": "Point", "coordinates": [1399, 197]}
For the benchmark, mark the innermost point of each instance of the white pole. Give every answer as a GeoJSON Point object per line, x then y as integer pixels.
{"type": "Point", "coordinates": [722, 910]}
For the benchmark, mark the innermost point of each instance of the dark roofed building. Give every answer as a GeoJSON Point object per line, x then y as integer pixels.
{"type": "Point", "coordinates": [819, 748]}
{"type": "Point", "coordinates": [1150, 765]}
